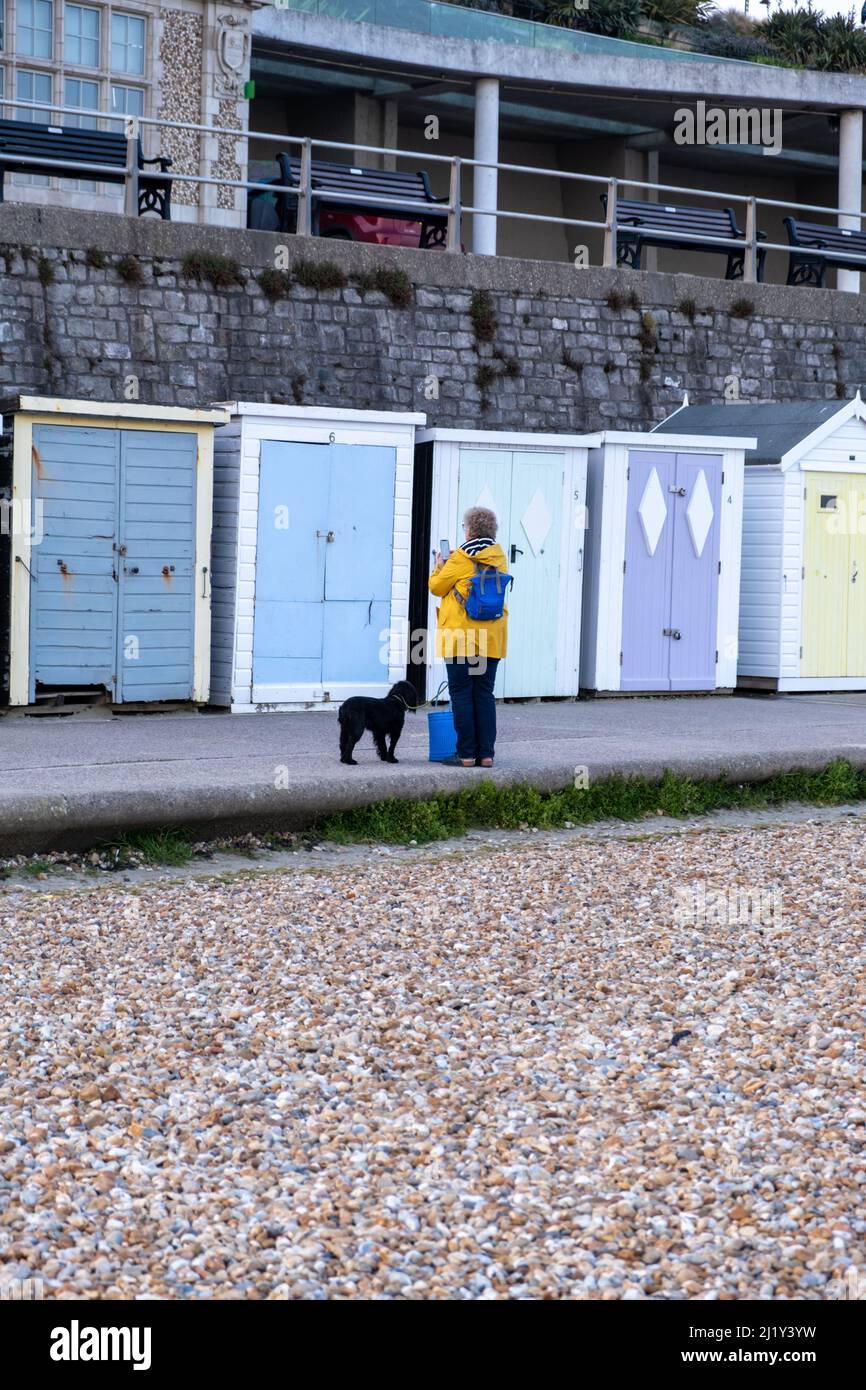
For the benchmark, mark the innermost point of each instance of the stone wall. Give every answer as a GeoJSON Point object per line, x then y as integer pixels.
{"type": "Point", "coordinates": [97, 306]}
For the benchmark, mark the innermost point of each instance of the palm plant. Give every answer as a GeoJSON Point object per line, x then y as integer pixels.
{"type": "Point", "coordinates": [796, 34]}
{"type": "Point", "coordinates": [616, 18]}
{"type": "Point", "coordinates": [842, 46]}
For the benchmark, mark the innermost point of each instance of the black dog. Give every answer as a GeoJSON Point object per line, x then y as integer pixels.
{"type": "Point", "coordinates": [381, 717]}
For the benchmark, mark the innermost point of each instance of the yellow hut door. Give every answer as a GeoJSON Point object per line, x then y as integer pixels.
{"type": "Point", "coordinates": [857, 576]}
{"type": "Point", "coordinates": [834, 582]}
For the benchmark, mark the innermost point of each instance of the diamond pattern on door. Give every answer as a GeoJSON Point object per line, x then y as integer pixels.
{"type": "Point", "coordinates": [486, 499]}
{"type": "Point", "coordinates": [536, 522]}
{"type": "Point", "coordinates": [699, 513]}
{"type": "Point", "coordinates": [652, 512]}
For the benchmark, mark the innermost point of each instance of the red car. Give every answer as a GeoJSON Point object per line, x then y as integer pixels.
{"type": "Point", "coordinates": [262, 215]}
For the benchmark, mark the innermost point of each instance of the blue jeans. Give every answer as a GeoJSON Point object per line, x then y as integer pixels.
{"type": "Point", "coordinates": [473, 706]}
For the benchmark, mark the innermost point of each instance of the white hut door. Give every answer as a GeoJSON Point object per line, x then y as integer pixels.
{"type": "Point", "coordinates": [532, 552]}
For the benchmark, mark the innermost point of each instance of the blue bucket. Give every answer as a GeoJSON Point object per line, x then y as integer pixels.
{"type": "Point", "coordinates": [442, 734]}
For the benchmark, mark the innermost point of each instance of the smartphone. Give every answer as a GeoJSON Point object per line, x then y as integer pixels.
{"type": "Point", "coordinates": [445, 549]}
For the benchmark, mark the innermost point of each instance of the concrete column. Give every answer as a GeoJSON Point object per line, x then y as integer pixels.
{"type": "Point", "coordinates": [850, 185]}
{"type": "Point", "coordinates": [391, 131]}
{"type": "Point", "coordinates": [485, 182]}
{"type": "Point", "coordinates": [368, 131]}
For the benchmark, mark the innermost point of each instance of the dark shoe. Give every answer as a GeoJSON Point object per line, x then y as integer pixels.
{"type": "Point", "coordinates": [454, 761]}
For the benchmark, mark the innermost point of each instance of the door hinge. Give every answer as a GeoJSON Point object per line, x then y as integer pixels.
{"type": "Point", "coordinates": [803, 572]}
{"type": "Point", "coordinates": [801, 653]}
{"type": "Point", "coordinates": [623, 566]}
{"type": "Point", "coordinates": [805, 490]}
{"type": "Point", "coordinates": [720, 567]}
{"type": "Point", "coordinates": [723, 478]}
{"type": "Point", "coordinates": [620, 658]}
{"type": "Point", "coordinates": [717, 657]}
{"type": "Point", "coordinates": [628, 472]}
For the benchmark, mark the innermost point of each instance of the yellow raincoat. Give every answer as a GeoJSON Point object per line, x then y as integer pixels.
{"type": "Point", "coordinates": [457, 635]}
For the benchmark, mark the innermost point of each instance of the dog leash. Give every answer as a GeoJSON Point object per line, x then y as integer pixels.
{"type": "Point", "coordinates": [415, 708]}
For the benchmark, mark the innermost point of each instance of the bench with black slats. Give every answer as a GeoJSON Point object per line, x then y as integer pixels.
{"type": "Point", "coordinates": [348, 188]}
{"type": "Point", "coordinates": [640, 224]}
{"type": "Point", "coordinates": [843, 245]}
{"type": "Point", "coordinates": [23, 143]}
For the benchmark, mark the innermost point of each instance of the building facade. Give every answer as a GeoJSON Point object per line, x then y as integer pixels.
{"type": "Point", "coordinates": [183, 63]}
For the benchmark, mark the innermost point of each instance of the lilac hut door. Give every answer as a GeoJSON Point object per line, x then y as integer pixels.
{"type": "Point", "coordinates": [695, 575]}
{"type": "Point", "coordinates": [646, 595]}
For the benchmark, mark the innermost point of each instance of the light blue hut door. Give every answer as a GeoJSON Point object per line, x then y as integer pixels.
{"type": "Point", "coordinates": [323, 567]}
{"type": "Point", "coordinates": [358, 563]}
{"type": "Point", "coordinates": [73, 591]}
{"type": "Point", "coordinates": [156, 565]}
{"type": "Point", "coordinates": [113, 593]}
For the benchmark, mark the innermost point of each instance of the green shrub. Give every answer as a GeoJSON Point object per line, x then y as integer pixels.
{"type": "Point", "coordinates": [320, 275]}
{"type": "Point", "coordinates": [95, 257]}
{"type": "Point", "coordinates": [482, 316]}
{"type": "Point", "coordinates": [275, 284]}
{"type": "Point", "coordinates": [129, 269]}
{"type": "Point", "coordinates": [221, 272]}
{"type": "Point", "coordinates": [390, 281]}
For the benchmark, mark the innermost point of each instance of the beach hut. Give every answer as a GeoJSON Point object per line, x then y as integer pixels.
{"type": "Point", "coordinates": [536, 485]}
{"type": "Point", "coordinates": [803, 587]}
{"type": "Point", "coordinates": [311, 555]}
{"type": "Point", "coordinates": [661, 588]}
{"type": "Point", "coordinates": [106, 522]}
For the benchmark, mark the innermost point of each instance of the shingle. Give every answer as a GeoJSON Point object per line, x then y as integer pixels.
{"type": "Point", "coordinates": [777, 425]}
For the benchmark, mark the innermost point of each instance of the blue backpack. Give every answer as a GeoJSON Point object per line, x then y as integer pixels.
{"type": "Point", "coordinates": [488, 587]}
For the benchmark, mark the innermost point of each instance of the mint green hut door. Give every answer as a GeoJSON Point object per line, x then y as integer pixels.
{"type": "Point", "coordinates": [524, 488]}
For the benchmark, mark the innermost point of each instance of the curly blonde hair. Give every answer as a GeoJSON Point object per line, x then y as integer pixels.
{"type": "Point", "coordinates": [480, 522]}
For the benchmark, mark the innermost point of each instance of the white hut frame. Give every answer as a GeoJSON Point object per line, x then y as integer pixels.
{"type": "Point", "coordinates": [604, 580]}
{"type": "Point", "coordinates": [236, 505]}
{"type": "Point", "coordinates": [445, 521]}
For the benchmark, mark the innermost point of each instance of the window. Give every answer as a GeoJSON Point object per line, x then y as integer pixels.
{"type": "Point", "coordinates": [81, 36]}
{"type": "Point", "coordinates": [127, 101]}
{"type": "Point", "coordinates": [829, 503]}
{"type": "Point", "coordinates": [79, 92]}
{"type": "Point", "coordinates": [127, 43]}
{"type": "Point", "coordinates": [35, 30]}
{"type": "Point", "coordinates": [32, 86]}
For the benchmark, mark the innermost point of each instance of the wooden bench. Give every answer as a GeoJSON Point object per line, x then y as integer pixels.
{"type": "Point", "coordinates": [842, 245]}
{"type": "Point", "coordinates": [640, 224]}
{"type": "Point", "coordinates": [29, 148]}
{"type": "Point", "coordinates": [377, 192]}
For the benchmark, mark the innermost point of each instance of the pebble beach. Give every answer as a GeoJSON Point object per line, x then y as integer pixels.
{"type": "Point", "coordinates": [553, 1067]}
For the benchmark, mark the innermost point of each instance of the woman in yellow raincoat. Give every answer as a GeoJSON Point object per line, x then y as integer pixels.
{"type": "Point", "coordinates": [470, 649]}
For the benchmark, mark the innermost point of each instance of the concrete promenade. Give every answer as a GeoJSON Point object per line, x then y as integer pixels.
{"type": "Point", "coordinates": [68, 780]}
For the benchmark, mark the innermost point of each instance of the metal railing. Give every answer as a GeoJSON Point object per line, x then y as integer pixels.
{"type": "Point", "coordinates": [454, 208]}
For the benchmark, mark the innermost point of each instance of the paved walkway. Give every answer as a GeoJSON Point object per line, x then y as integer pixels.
{"type": "Point", "coordinates": [91, 773]}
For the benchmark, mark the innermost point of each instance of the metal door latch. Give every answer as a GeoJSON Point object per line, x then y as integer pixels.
{"type": "Point", "coordinates": [673, 632]}
{"type": "Point", "coordinates": [327, 535]}
{"type": "Point", "coordinates": [515, 551]}
{"type": "Point", "coordinates": [680, 491]}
